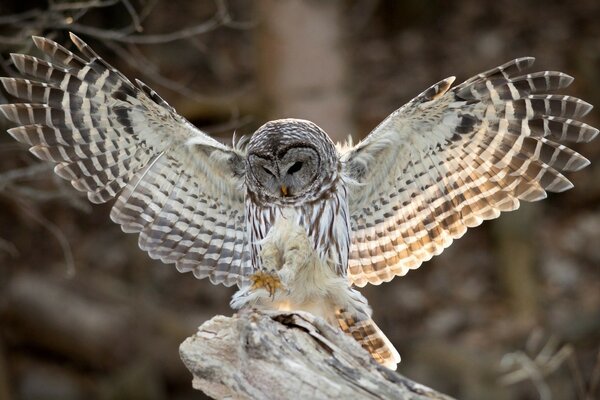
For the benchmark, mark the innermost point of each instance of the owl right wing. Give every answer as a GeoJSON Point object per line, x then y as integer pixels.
{"type": "Point", "coordinates": [181, 190]}
{"type": "Point", "coordinates": [451, 158]}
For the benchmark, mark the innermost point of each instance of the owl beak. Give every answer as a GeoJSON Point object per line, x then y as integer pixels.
{"type": "Point", "coordinates": [284, 190]}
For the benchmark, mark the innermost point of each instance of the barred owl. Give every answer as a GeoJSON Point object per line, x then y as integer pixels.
{"type": "Point", "coordinates": [292, 219]}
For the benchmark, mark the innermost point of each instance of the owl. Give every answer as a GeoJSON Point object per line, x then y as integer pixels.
{"type": "Point", "coordinates": [294, 220]}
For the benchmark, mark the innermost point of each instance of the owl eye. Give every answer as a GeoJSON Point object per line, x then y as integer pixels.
{"type": "Point", "coordinates": [268, 171]}
{"type": "Point", "coordinates": [295, 167]}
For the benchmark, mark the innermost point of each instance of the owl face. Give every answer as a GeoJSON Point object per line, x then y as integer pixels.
{"type": "Point", "coordinates": [289, 159]}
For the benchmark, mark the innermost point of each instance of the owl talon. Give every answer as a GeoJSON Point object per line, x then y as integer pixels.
{"type": "Point", "coordinates": [266, 280]}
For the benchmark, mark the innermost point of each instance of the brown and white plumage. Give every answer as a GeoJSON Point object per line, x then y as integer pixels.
{"type": "Point", "coordinates": [451, 158]}
{"type": "Point", "coordinates": [290, 219]}
{"type": "Point", "coordinates": [176, 186]}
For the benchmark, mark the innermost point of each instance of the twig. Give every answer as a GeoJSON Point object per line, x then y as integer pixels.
{"type": "Point", "coordinates": [58, 235]}
{"type": "Point", "coordinates": [147, 9]}
{"type": "Point", "coordinates": [525, 367]}
{"type": "Point", "coordinates": [54, 18]}
{"type": "Point", "coordinates": [10, 147]}
{"type": "Point", "coordinates": [235, 122]}
{"type": "Point", "coordinates": [135, 18]}
{"type": "Point", "coordinates": [9, 248]}
{"type": "Point", "coordinates": [20, 17]}
{"type": "Point", "coordinates": [78, 5]}
{"type": "Point", "coordinates": [64, 192]}
{"type": "Point", "coordinates": [221, 16]}
{"type": "Point", "coordinates": [29, 172]}
{"type": "Point", "coordinates": [149, 69]}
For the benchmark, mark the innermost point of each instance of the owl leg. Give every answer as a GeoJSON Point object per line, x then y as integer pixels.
{"type": "Point", "coordinates": [296, 254]}
{"type": "Point", "coordinates": [267, 278]}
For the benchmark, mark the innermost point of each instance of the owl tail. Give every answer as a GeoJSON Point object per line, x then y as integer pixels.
{"type": "Point", "coordinates": [370, 337]}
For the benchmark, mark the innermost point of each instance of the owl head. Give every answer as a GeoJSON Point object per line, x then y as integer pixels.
{"type": "Point", "coordinates": [290, 160]}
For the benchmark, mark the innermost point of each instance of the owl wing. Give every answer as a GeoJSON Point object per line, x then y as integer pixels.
{"type": "Point", "coordinates": [451, 158]}
{"type": "Point", "coordinates": [181, 190]}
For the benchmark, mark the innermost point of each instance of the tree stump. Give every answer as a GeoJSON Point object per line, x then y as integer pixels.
{"type": "Point", "coordinates": [285, 355]}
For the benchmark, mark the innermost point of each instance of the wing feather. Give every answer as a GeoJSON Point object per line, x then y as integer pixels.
{"type": "Point", "coordinates": [454, 157]}
{"type": "Point", "coordinates": [175, 186]}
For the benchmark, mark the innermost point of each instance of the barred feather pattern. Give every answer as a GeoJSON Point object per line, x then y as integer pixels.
{"type": "Point", "coordinates": [446, 161]}
{"type": "Point", "coordinates": [452, 158]}
{"type": "Point", "coordinates": [178, 188]}
{"type": "Point", "coordinates": [370, 337]}
{"type": "Point", "coordinates": [325, 220]}
{"type": "Point", "coordinates": [322, 209]}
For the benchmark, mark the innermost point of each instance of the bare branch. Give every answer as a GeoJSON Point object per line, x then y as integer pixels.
{"type": "Point", "coordinates": [58, 16]}
{"type": "Point", "coordinates": [29, 172]}
{"type": "Point", "coordinates": [15, 18]}
{"type": "Point", "coordinates": [9, 247]}
{"type": "Point", "coordinates": [58, 235]}
{"type": "Point", "coordinates": [141, 63]}
{"type": "Point", "coordinates": [213, 23]}
{"type": "Point", "coordinates": [521, 366]}
{"type": "Point", "coordinates": [79, 5]}
{"type": "Point", "coordinates": [135, 18]}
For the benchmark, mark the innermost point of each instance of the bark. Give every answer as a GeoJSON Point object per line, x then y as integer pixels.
{"type": "Point", "coordinates": [284, 355]}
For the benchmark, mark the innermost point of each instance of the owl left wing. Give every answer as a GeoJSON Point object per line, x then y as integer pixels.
{"type": "Point", "coordinates": [181, 190]}
{"type": "Point", "coordinates": [451, 158]}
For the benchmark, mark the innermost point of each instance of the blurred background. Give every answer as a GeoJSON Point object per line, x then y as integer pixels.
{"type": "Point", "coordinates": [510, 311]}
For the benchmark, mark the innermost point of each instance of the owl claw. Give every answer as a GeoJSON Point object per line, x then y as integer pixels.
{"type": "Point", "coordinates": [266, 280]}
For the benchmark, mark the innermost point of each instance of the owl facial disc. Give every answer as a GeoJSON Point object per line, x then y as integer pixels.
{"type": "Point", "coordinates": [290, 159]}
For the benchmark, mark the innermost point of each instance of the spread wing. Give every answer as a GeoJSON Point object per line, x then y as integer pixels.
{"type": "Point", "coordinates": [451, 158]}
{"type": "Point", "coordinates": [178, 188]}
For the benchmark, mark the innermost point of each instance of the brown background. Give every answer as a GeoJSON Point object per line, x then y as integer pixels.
{"type": "Point", "coordinates": [84, 314]}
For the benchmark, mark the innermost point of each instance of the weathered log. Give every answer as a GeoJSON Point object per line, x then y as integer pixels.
{"type": "Point", "coordinates": [284, 355]}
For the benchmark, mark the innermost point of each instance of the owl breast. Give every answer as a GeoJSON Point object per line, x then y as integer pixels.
{"type": "Point", "coordinates": [307, 245]}
{"type": "Point", "coordinates": [324, 222]}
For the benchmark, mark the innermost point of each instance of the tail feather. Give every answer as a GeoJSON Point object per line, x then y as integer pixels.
{"type": "Point", "coordinates": [370, 337]}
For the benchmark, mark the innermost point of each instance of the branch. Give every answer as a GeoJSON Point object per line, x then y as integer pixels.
{"type": "Point", "coordinates": [281, 355]}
